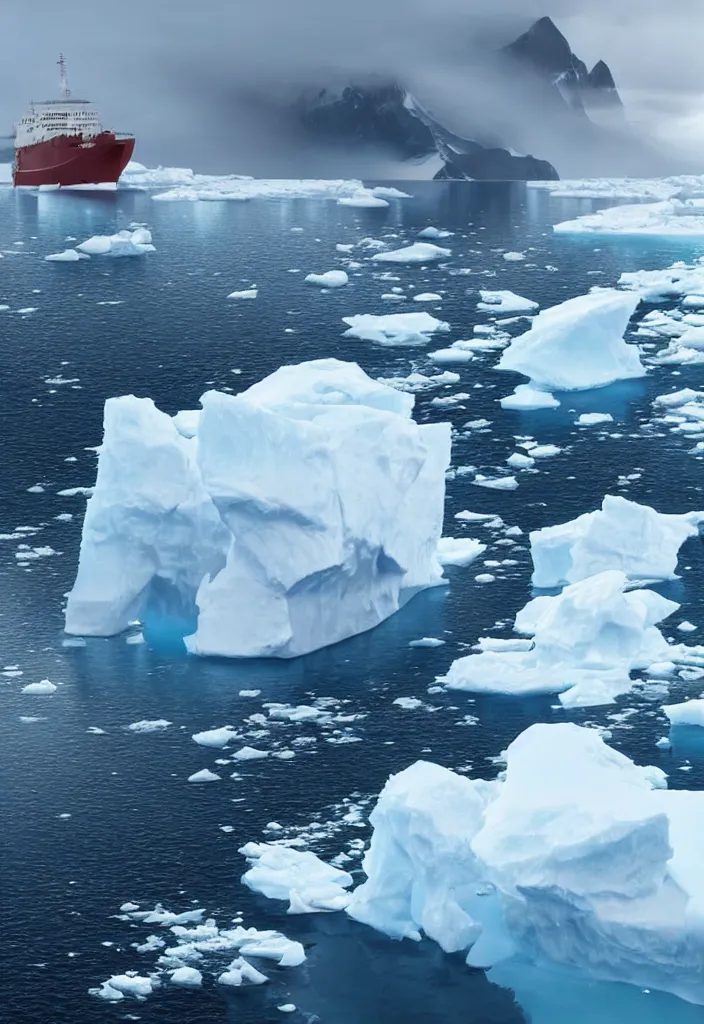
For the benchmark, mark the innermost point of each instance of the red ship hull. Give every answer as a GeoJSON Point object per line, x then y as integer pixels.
{"type": "Point", "coordinates": [72, 160]}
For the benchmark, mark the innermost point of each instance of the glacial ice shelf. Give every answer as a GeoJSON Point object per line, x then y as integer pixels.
{"type": "Point", "coordinates": [271, 523]}
{"type": "Point", "coordinates": [578, 857]}
{"type": "Point", "coordinates": [671, 218]}
{"type": "Point", "coordinates": [181, 184]}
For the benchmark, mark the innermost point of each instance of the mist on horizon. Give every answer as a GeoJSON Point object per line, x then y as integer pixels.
{"type": "Point", "coordinates": [212, 86]}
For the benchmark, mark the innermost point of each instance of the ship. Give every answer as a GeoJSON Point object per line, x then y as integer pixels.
{"type": "Point", "coordinates": [62, 143]}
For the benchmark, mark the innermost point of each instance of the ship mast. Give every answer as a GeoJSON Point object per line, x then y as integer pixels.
{"type": "Point", "coordinates": [63, 79]}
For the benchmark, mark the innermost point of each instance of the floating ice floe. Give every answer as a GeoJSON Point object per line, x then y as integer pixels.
{"type": "Point", "coordinates": [459, 550]}
{"type": "Point", "coordinates": [416, 382]}
{"type": "Point", "coordinates": [204, 775]}
{"type": "Point", "coordinates": [67, 256]}
{"type": "Point", "coordinates": [259, 525]}
{"type": "Point", "coordinates": [330, 279]}
{"type": "Point", "coordinates": [691, 712]}
{"type": "Point", "coordinates": [578, 344]}
{"type": "Point", "coordinates": [593, 419]}
{"type": "Point", "coordinates": [308, 883]}
{"type": "Point", "coordinates": [216, 738]}
{"type": "Point", "coordinates": [682, 412]}
{"type": "Point", "coordinates": [432, 232]}
{"type": "Point", "coordinates": [195, 941]}
{"type": "Point", "coordinates": [246, 293]}
{"type": "Point", "coordinates": [503, 302]}
{"type": "Point", "coordinates": [637, 540]}
{"type": "Point", "coordinates": [672, 218]}
{"type": "Point", "coordinates": [678, 281]}
{"type": "Point", "coordinates": [418, 252]}
{"type": "Point", "coordinates": [123, 243]}
{"type": "Point", "coordinates": [149, 725]}
{"type": "Point", "coordinates": [579, 857]}
{"type": "Point", "coordinates": [427, 297]}
{"type": "Point", "coordinates": [183, 184]}
{"type": "Point", "coordinates": [514, 257]}
{"type": "Point", "coordinates": [394, 329]}
{"type": "Point", "coordinates": [41, 689]}
{"type": "Point", "coordinates": [586, 642]}
{"type": "Point", "coordinates": [619, 188]}
{"type": "Point", "coordinates": [526, 397]}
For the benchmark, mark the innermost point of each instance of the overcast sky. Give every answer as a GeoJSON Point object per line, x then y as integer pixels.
{"type": "Point", "coordinates": [174, 71]}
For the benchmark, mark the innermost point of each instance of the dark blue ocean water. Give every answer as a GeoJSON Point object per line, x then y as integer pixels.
{"type": "Point", "coordinates": [137, 831]}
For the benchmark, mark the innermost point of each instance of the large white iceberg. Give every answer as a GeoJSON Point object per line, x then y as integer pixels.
{"type": "Point", "coordinates": [623, 535]}
{"type": "Point", "coordinates": [586, 642]}
{"type": "Point", "coordinates": [302, 511]}
{"type": "Point", "coordinates": [578, 858]}
{"type": "Point", "coordinates": [578, 344]}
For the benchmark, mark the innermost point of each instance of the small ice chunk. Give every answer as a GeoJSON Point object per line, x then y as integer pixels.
{"type": "Point", "coordinates": [427, 297]}
{"type": "Point", "coordinates": [686, 627]}
{"type": "Point", "coordinates": [187, 977]}
{"type": "Point", "coordinates": [330, 279]}
{"type": "Point", "coordinates": [246, 293]}
{"type": "Point", "coordinates": [215, 737]}
{"type": "Point", "coordinates": [500, 483]}
{"type": "Point", "coordinates": [459, 551]}
{"type": "Point", "coordinates": [44, 688]}
{"type": "Point", "coordinates": [427, 641]}
{"type": "Point", "coordinates": [514, 257]}
{"type": "Point", "coordinates": [545, 451]}
{"type": "Point", "coordinates": [591, 419]}
{"type": "Point", "coordinates": [394, 329]}
{"type": "Point", "coordinates": [431, 232]}
{"type": "Point", "coordinates": [149, 725]}
{"type": "Point", "coordinates": [527, 397]}
{"type": "Point", "coordinates": [240, 972]}
{"type": "Point", "coordinates": [503, 302]}
{"type": "Point", "coordinates": [249, 754]}
{"type": "Point", "coordinates": [520, 461]}
{"type": "Point", "coordinates": [419, 252]}
{"type": "Point", "coordinates": [408, 703]}
{"type": "Point", "coordinates": [204, 775]}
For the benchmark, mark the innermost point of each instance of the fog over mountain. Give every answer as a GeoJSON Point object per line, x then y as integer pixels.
{"type": "Point", "coordinates": [220, 85]}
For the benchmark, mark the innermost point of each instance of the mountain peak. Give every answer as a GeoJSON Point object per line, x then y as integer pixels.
{"type": "Point", "coordinates": [544, 46]}
{"type": "Point", "coordinates": [600, 76]}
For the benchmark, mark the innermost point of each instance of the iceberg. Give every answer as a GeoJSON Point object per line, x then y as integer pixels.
{"type": "Point", "coordinates": [394, 329]}
{"type": "Point", "coordinates": [637, 540]}
{"type": "Point", "coordinates": [578, 858]}
{"type": "Point", "coordinates": [578, 344]}
{"type": "Point", "coordinates": [586, 642]}
{"type": "Point", "coordinates": [300, 512]}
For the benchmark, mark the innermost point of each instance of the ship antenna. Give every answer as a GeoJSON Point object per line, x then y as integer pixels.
{"type": "Point", "coordinates": [63, 79]}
